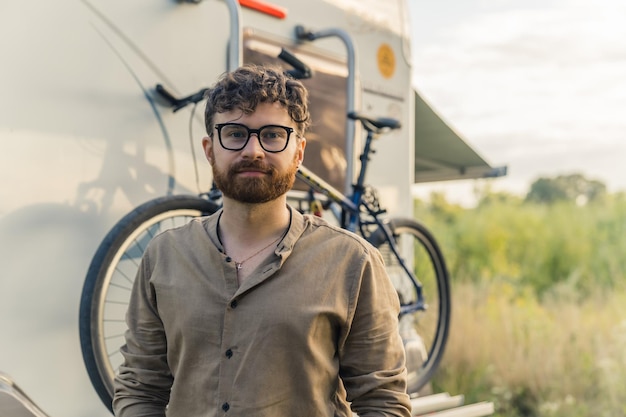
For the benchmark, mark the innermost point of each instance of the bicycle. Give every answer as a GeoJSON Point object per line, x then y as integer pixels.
{"type": "Point", "coordinates": [407, 246]}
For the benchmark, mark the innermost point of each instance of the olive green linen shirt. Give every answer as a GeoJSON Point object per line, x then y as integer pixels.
{"type": "Point", "coordinates": [311, 331]}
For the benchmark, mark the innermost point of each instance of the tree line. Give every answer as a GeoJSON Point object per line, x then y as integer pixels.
{"type": "Point", "coordinates": [568, 231]}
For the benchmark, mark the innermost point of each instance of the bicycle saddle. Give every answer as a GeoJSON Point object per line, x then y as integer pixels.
{"type": "Point", "coordinates": [375, 125]}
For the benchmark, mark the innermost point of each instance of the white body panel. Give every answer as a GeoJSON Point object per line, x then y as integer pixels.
{"type": "Point", "coordinates": [82, 145]}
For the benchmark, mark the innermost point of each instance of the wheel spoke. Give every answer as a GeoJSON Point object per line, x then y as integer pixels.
{"type": "Point", "coordinates": [424, 331]}
{"type": "Point", "coordinates": [110, 278]}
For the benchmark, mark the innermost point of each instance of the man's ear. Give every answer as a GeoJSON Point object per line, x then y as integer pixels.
{"type": "Point", "coordinates": [207, 145]}
{"type": "Point", "coordinates": [300, 150]}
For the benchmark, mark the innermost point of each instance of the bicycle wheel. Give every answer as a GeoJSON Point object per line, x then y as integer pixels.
{"type": "Point", "coordinates": [110, 277]}
{"type": "Point", "coordinates": [424, 332]}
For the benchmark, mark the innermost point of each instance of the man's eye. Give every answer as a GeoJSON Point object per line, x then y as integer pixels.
{"type": "Point", "coordinates": [273, 134]}
{"type": "Point", "coordinates": [236, 133]}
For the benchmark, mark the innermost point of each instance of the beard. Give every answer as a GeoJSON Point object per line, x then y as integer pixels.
{"type": "Point", "coordinates": [254, 190]}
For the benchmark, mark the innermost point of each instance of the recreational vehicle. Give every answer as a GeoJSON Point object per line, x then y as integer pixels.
{"type": "Point", "coordinates": [88, 135]}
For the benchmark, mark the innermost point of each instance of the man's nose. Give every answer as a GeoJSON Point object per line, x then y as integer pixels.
{"type": "Point", "coordinates": [253, 147]}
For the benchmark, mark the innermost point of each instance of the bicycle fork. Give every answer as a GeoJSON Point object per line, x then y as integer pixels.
{"type": "Point", "coordinates": [419, 304]}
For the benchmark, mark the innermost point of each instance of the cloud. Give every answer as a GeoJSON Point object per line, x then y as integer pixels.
{"type": "Point", "coordinates": [543, 83]}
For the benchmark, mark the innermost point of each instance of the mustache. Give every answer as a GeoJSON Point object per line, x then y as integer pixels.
{"type": "Point", "coordinates": [254, 165]}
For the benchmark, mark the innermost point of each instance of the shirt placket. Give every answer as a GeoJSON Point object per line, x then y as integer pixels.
{"type": "Point", "coordinates": [228, 351]}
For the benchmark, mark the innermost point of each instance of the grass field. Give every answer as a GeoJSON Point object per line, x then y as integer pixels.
{"type": "Point", "coordinates": [555, 358]}
{"type": "Point", "coordinates": [539, 305]}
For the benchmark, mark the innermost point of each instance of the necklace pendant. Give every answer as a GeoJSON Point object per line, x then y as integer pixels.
{"type": "Point", "coordinates": [238, 265]}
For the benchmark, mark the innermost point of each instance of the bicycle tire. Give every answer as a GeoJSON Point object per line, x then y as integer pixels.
{"type": "Point", "coordinates": [424, 333]}
{"type": "Point", "coordinates": [109, 279]}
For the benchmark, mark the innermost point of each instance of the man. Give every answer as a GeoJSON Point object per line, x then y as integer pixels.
{"type": "Point", "coordinates": [257, 310]}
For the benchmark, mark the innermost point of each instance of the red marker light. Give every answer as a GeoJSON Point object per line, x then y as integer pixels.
{"type": "Point", "coordinates": [265, 8]}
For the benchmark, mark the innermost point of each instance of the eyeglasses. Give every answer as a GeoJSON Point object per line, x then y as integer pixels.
{"type": "Point", "coordinates": [235, 136]}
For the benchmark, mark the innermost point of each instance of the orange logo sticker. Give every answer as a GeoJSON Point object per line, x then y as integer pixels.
{"type": "Point", "coordinates": [386, 60]}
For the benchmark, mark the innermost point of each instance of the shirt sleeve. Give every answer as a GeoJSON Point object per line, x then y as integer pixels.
{"type": "Point", "coordinates": [372, 361]}
{"type": "Point", "coordinates": [143, 385]}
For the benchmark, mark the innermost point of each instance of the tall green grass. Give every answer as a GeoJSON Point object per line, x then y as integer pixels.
{"type": "Point", "coordinates": [539, 305]}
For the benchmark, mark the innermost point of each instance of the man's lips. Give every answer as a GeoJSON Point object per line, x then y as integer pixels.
{"type": "Point", "coordinates": [252, 168]}
{"type": "Point", "coordinates": [252, 171]}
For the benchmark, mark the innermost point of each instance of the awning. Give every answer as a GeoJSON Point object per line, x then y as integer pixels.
{"type": "Point", "coordinates": [441, 154]}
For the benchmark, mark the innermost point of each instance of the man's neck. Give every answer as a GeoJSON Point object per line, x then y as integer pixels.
{"type": "Point", "coordinates": [247, 223]}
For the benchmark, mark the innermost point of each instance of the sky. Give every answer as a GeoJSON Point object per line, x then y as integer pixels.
{"type": "Point", "coordinates": [539, 86]}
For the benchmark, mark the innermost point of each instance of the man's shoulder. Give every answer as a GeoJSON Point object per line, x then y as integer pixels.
{"type": "Point", "coordinates": [323, 229]}
{"type": "Point", "coordinates": [193, 230]}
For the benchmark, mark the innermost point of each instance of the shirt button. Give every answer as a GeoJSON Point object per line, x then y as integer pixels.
{"type": "Point", "coordinates": [233, 304]}
{"type": "Point", "coordinates": [225, 406]}
{"type": "Point", "coordinates": [229, 353]}
{"type": "Point", "coordinates": [228, 259]}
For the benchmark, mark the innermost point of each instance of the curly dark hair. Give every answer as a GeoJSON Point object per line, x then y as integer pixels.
{"type": "Point", "coordinates": [249, 85]}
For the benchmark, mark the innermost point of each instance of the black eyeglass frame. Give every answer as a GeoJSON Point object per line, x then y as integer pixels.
{"type": "Point", "coordinates": [220, 126]}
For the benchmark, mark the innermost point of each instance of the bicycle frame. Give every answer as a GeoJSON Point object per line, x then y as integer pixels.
{"type": "Point", "coordinates": [353, 216]}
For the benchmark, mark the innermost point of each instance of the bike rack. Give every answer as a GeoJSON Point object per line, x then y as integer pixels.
{"type": "Point", "coordinates": [305, 34]}
{"type": "Point", "coordinates": [235, 53]}
{"type": "Point", "coordinates": [235, 46]}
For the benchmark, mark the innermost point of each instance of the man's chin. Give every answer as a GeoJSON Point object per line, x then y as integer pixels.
{"type": "Point", "coordinates": [256, 190]}
{"type": "Point", "coordinates": [252, 193]}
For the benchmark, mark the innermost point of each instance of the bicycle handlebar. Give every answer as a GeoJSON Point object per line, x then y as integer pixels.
{"type": "Point", "coordinates": [300, 71]}
{"type": "Point", "coordinates": [179, 103]}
